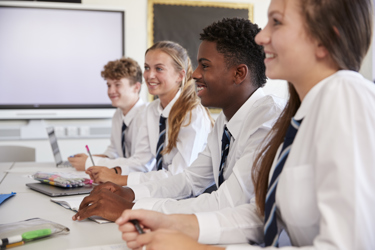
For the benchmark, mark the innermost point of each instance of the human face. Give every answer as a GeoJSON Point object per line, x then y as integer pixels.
{"type": "Point", "coordinates": [290, 51]}
{"type": "Point", "coordinates": [212, 77]}
{"type": "Point", "coordinates": [161, 77]}
{"type": "Point", "coordinates": [123, 95]}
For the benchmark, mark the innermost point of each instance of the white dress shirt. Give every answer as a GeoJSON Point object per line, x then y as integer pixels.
{"type": "Point", "coordinates": [325, 194]}
{"type": "Point", "coordinates": [191, 140]}
{"type": "Point", "coordinates": [248, 127]}
{"type": "Point", "coordinates": [133, 120]}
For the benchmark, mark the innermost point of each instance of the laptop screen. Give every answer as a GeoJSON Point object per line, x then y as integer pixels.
{"type": "Point", "coordinates": [55, 148]}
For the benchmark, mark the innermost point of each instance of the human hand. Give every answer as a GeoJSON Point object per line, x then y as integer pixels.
{"type": "Point", "coordinates": [125, 192]}
{"type": "Point", "coordinates": [103, 174]}
{"type": "Point", "coordinates": [78, 161]}
{"type": "Point", "coordinates": [103, 203]}
{"type": "Point", "coordinates": [165, 239]}
{"type": "Point", "coordinates": [152, 220]}
{"type": "Point", "coordinates": [103, 156]}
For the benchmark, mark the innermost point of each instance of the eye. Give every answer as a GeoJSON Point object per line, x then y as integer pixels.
{"type": "Point", "coordinates": [204, 66]}
{"type": "Point", "coordinates": [159, 69]}
{"type": "Point", "coordinates": [117, 85]}
{"type": "Point", "coordinates": [147, 68]}
{"type": "Point", "coordinates": [276, 22]}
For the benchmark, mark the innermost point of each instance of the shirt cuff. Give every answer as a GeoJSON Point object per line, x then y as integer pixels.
{"type": "Point", "coordinates": [209, 228]}
{"type": "Point", "coordinates": [134, 178]}
{"type": "Point", "coordinates": [125, 171]}
{"type": "Point", "coordinates": [146, 203]}
{"type": "Point", "coordinates": [140, 191]}
{"type": "Point", "coordinates": [240, 247]}
{"type": "Point", "coordinates": [89, 162]}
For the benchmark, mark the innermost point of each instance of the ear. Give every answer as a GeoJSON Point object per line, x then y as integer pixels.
{"type": "Point", "coordinates": [181, 75]}
{"type": "Point", "coordinates": [240, 73]}
{"type": "Point", "coordinates": [321, 52]}
{"type": "Point", "coordinates": [137, 87]}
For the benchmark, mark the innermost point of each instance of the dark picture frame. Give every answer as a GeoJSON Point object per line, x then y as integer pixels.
{"type": "Point", "coordinates": [182, 21]}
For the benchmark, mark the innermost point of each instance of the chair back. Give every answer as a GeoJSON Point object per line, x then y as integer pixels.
{"type": "Point", "coordinates": [16, 154]}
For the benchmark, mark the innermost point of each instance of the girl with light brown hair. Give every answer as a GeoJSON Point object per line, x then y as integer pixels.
{"type": "Point", "coordinates": [314, 175]}
{"type": "Point", "coordinates": [176, 124]}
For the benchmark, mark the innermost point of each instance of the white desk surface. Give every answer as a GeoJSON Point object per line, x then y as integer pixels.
{"type": "Point", "coordinates": [3, 167]}
{"type": "Point", "coordinates": [28, 204]}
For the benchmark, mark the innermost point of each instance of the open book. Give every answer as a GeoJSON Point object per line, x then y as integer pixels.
{"type": "Point", "coordinates": [73, 202]}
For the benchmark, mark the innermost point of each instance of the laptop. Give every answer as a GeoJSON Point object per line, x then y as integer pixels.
{"type": "Point", "coordinates": [55, 149]}
{"type": "Point", "coordinates": [54, 191]}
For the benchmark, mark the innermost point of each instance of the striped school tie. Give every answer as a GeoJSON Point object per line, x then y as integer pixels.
{"type": "Point", "coordinates": [271, 236]}
{"type": "Point", "coordinates": [160, 145]}
{"type": "Point", "coordinates": [123, 138]}
{"type": "Point", "coordinates": [225, 141]}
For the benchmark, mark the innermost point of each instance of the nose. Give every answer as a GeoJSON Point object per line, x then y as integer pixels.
{"type": "Point", "coordinates": [196, 74]}
{"type": "Point", "coordinates": [263, 38]}
{"type": "Point", "coordinates": [148, 75]}
{"type": "Point", "coordinates": [111, 89]}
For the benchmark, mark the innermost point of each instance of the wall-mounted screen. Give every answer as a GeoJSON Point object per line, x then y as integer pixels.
{"type": "Point", "coordinates": [51, 58]}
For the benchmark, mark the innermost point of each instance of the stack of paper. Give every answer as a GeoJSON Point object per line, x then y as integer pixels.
{"type": "Point", "coordinates": [73, 203]}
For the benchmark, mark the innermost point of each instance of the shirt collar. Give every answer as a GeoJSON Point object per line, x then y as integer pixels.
{"type": "Point", "coordinates": [132, 112]}
{"type": "Point", "coordinates": [311, 96]}
{"type": "Point", "coordinates": [165, 112]}
{"type": "Point", "coordinates": [236, 122]}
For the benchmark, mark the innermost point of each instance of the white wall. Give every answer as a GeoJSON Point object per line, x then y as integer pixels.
{"type": "Point", "coordinates": [136, 31]}
{"type": "Point", "coordinates": [135, 46]}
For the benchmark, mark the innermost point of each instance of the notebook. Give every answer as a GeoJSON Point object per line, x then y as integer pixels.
{"type": "Point", "coordinates": [59, 191]}
{"type": "Point", "coordinates": [73, 203]}
{"type": "Point", "coordinates": [55, 149]}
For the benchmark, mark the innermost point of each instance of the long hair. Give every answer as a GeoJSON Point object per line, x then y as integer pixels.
{"type": "Point", "coordinates": [264, 159]}
{"type": "Point", "coordinates": [344, 28]}
{"type": "Point", "coordinates": [188, 98]}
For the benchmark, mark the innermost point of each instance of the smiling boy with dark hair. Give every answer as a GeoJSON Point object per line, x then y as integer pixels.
{"type": "Point", "coordinates": [229, 76]}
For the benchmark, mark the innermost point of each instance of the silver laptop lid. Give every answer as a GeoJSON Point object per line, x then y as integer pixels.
{"type": "Point", "coordinates": [55, 147]}
{"type": "Point", "coordinates": [54, 191]}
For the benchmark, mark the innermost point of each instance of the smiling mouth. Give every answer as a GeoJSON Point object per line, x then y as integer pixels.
{"type": "Point", "coordinates": [153, 83]}
{"type": "Point", "coordinates": [200, 88]}
{"type": "Point", "coordinates": [270, 55]}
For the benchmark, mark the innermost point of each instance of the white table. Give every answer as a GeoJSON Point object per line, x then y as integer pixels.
{"type": "Point", "coordinates": [3, 167]}
{"type": "Point", "coordinates": [28, 204]}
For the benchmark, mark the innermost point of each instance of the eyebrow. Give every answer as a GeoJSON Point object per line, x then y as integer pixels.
{"type": "Point", "coordinates": [114, 81]}
{"type": "Point", "coordinates": [158, 64]}
{"type": "Point", "coordinates": [274, 12]}
{"type": "Point", "coordinates": [203, 59]}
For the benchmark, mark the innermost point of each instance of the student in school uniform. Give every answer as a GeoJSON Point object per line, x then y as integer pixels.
{"type": "Point", "coordinates": [315, 176]}
{"type": "Point", "coordinates": [175, 126]}
{"type": "Point", "coordinates": [124, 80]}
{"type": "Point", "coordinates": [230, 75]}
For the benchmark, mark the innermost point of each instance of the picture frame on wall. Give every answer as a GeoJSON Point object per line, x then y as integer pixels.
{"type": "Point", "coordinates": [182, 21]}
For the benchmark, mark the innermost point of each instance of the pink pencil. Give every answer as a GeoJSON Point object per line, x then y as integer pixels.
{"type": "Point", "coordinates": [88, 151]}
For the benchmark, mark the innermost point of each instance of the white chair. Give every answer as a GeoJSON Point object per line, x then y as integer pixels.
{"type": "Point", "coordinates": [16, 154]}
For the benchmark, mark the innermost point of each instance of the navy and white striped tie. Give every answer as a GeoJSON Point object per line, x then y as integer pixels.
{"type": "Point", "coordinates": [225, 141]}
{"type": "Point", "coordinates": [271, 236]}
{"type": "Point", "coordinates": [160, 145]}
{"type": "Point", "coordinates": [123, 138]}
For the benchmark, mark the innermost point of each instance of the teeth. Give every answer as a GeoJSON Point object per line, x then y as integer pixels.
{"type": "Point", "coordinates": [199, 88]}
{"type": "Point", "coordinates": [153, 84]}
{"type": "Point", "coordinates": [270, 55]}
